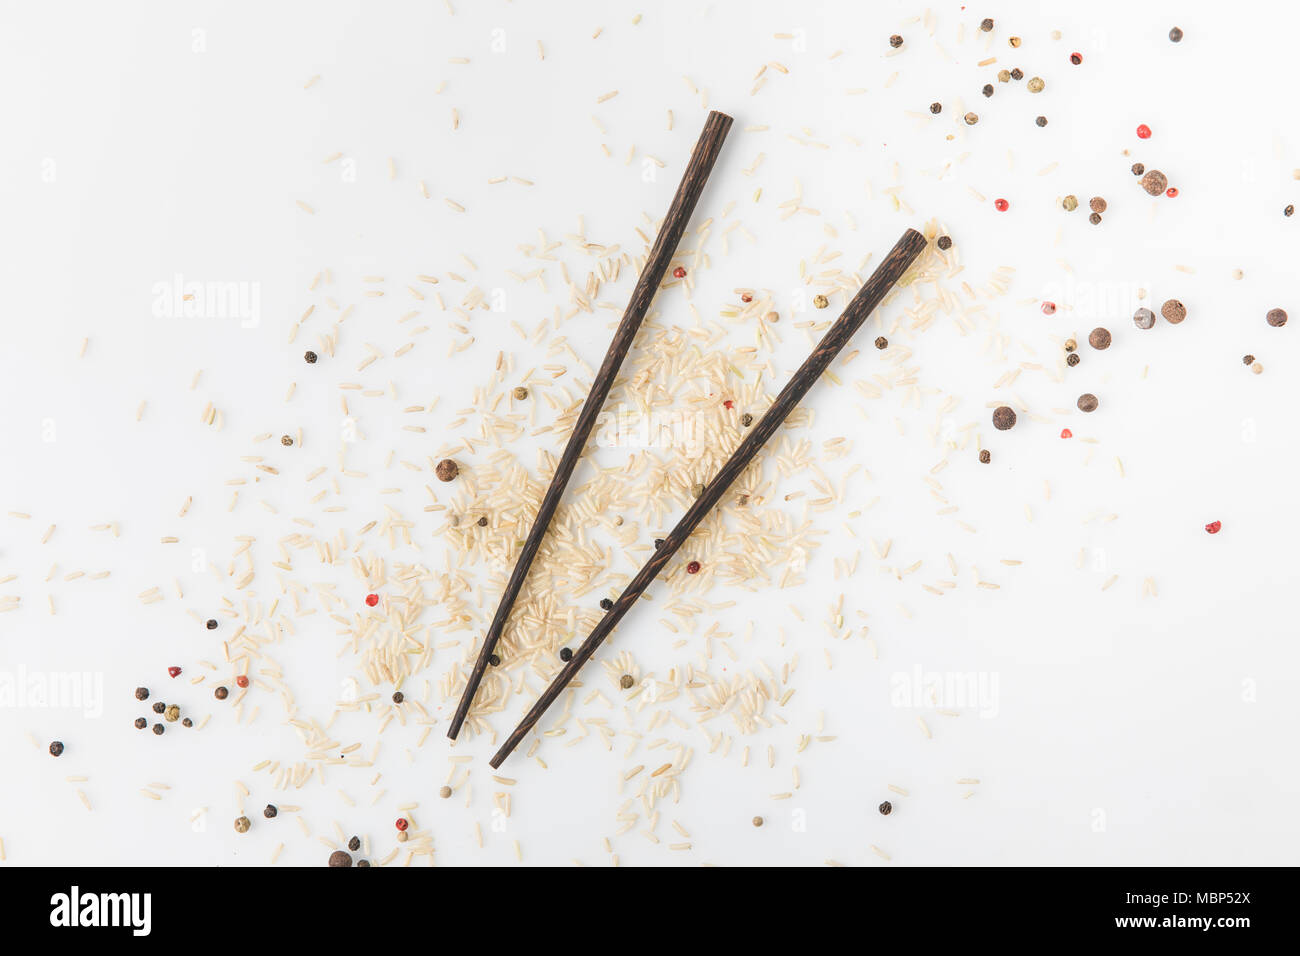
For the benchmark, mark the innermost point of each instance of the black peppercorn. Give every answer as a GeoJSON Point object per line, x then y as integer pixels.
{"type": "Point", "coordinates": [1017, 74]}
{"type": "Point", "coordinates": [936, 107]}
{"type": "Point", "coordinates": [56, 748]}
{"type": "Point", "coordinates": [142, 693]}
{"type": "Point", "coordinates": [186, 722]}
{"type": "Point", "coordinates": [221, 693]}
{"type": "Point", "coordinates": [1094, 218]}
{"type": "Point", "coordinates": [1289, 211]}
{"type": "Point", "coordinates": [141, 723]}
{"type": "Point", "coordinates": [1175, 35]}
{"type": "Point", "coordinates": [944, 243]}
{"type": "Point", "coordinates": [987, 89]}
{"type": "Point", "coordinates": [1248, 360]}
{"type": "Point", "coordinates": [398, 697]}
{"type": "Point", "coordinates": [286, 440]}
{"type": "Point", "coordinates": [566, 654]}
{"type": "Point", "coordinates": [895, 41]}
{"type": "Point", "coordinates": [626, 681]}
{"type": "Point", "coordinates": [271, 811]}
{"type": "Point", "coordinates": [1072, 359]}
{"type": "Point", "coordinates": [1041, 121]}
{"type": "Point", "coordinates": [606, 604]}
{"type": "Point", "coordinates": [159, 707]}
{"type": "Point", "coordinates": [309, 357]}
{"type": "Point", "coordinates": [886, 808]}
{"type": "Point", "coordinates": [212, 624]}
{"type": "Point", "coordinates": [658, 543]}
{"type": "Point", "coordinates": [746, 420]}
{"type": "Point", "coordinates": [340, 858]}
{"type": "Point", "coordinates": [1004, 417]}
{"type": "Point", "coordinates": [986, 25]}
{"type": "Point", "coordinates": [1138, 169]}
{"type": "Point", "coordinates": [985, 457]}
{"type": "Point", "coordinates": [159, 729]}
{"type": "Point", "coordinates": [494, 660]}
{"type": "Point", "coordinates": [483, 522]}
{"type": "Point", "coordinates": [354, 844]}
{"type": "Point", "coordinates": [882, 343]}
{"type": "Point", "coordinates": [361, 863]}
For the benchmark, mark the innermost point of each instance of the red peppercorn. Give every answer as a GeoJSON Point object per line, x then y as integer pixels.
{"type": "Point", "coordinates": [746, 297]}
{"type": "Point", "coordinates": [372, 599]}
{"type": "Point", "coordinates": [241, 680]}
{"type": "Point", "coordinates": [728, 404]}
{"type": "Point", "coordinates": [1066, 433]}
{"type": "Point", "coordinates": [1171, 192]}
{"type": "Point", "coordinates": [1144, 131]}
{"type": "Point", "coordinates": [679, 273]}
{"type": "Point", "coordinates": [173, 672]}
{"type": "Point", "coordinates": [1076, 58]}
{"type": "Point", "coordinates": [402, 823]}
{"type": "Point", "coordinates": [1214, 526]}
{"type": "Point", "coordinates": [1049, 308]}
{"type": "Point", "coordinates": [693, 568]}
{"type": "Point", "coordinates": [1001, 205]}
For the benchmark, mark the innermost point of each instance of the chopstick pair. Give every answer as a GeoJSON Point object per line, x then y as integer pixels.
{"type": "Point", "coordinates": [895, 264]}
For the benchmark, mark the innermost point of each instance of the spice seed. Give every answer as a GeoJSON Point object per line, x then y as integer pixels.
{"type": "Point", "coordinates": [1094, 218]}
{"type": "Point", "coordinates": [936, 108]}
{"type": "Point", "coordinates": [520, 393]}
{"type": "Point", "coordinates": [985, 456]}
{"type": "Point", "coordinates": [626, 681]}
{"type": "Point", "coordinates": [172, 714]}
{"type": "Point", "coordinates": [354, 844]}
{"type": "Point", "coordinates": [1154, 182]}
{"type": "Point", "coordinates": [271, 811]}
{"type": "Point", "coordinates": [971, 119]}
{"type": "Point", "coordinates": [606, 604]}
{"type": "Point", "coordinates": [142, 693]}
{"type": "Point", "coordinates": [1004, 417]}
{"type": "Point", "coordinates": [944, 243]}
{"type": "Point", "coordinates": [566, 654]}
{"type": "Point", "coordinates": [159, 707]}
{"type": "Point", "coordinates": [447, 470]}
{"type": "Point", "coordinates": [1017, 73]}
{"type": "Point", "coordinates": [886, 808]}
{"type": "Point", "coordinates": [1247, 359]}
{"type": "Point", "coordinates": [895, 41]}
{"type": "Point", "coordinates": [1070, 203]}
{"type": "Point", "coordinates": [159, 729]}
{"type": "Point", "coordinates": [1144, 318]}
{"type": "Point", "coordinates": [746, 420]}
{"type": "Point", "coordinates": [1175, 35]}
{"type": "Point", "coordinates": [141, 723]}
{"type": "Point", "coordinates": [1035, 84]}
{"type": "Point", "coordinates": [986, 25]}
{"type": "Point", "coordinates": [340, 858]}
{"type": "Point", "coordinates": [1041, 121]}
{"type": "Point", "coordinates": [286, 440]}
{"type": "Point", "coordinates": [1087, 402]}
{"type": "Point", "coordinates": [757, 821]}
{"type": "Point", "coordinates": [444, 792]}
{"type": "Point", "coordinates": [212, 624]}
{"type": "Point", "coordinates": [309, 357]}
{"type": "Point", "coordinates": [882, 343]}
{"type": "Point", "coordinates": [1097, 204]}
{"type": "Point", "coordinates": [242, 824]}
{"type": "Point", "coordinates": [1099, 339]}
{"type": "Point", "coordinates": [1276, 318]}
{"type": "Point", "coordinates": [820, 302]}
{"type": "Point", "coordinates": [1173, 311]}
{"type": "Point", "coordinates": [56, 748]}
{"type": "Point", "coordinates": [1072, 359]}
{"type": "Point", "coordinates": [1138, 169]}
{"type": "Point", "coordinates": [987, 89]}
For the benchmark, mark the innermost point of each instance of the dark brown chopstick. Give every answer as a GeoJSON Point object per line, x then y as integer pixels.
{"type": "Point", "coordinates": [697, 172]}
{"type": "Point", "coordinates": [869, 296]}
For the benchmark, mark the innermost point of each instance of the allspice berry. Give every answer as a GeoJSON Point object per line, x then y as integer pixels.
{"type": "Point", "coordinates": [1144, 318]}
{"type": "Point", "coordinates": [340, 858]}
{"type": "Point", "coordinates": [1087, 402]}
{"type": "Point", "coordinates": [1004, 417]}
{"type": "Point", "coordinates": [242, 824]}
{"type": "Point", "coordinates": [1097, 204]}
{"type": "Point", "coordinates": [985, 457]}
{"type": "Point", "coordinates": [1276, 318]}
{"type": "Point", "coordinates": [1154, 182]}
{"type": "Point", "coordinates": [447, 470]}
{"type": "Point", "coordinates": [1173, 311]}
{"type": "Point", "coordinates": [1099, 339]}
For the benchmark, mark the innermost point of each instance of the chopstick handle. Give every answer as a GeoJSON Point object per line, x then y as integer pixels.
{"type": "Point", "coordinates": [869, 296]}
{"type": "Point", "coordinates": [703, 158]}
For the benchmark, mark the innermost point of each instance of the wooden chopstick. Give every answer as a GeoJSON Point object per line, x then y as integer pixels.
{"type": "Point", "coordinates": [697, 172]}
{"type": "Point", "coordinates": [869, 296]}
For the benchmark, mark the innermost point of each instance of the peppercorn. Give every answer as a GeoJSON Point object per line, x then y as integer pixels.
{"type": "Point", "coordinates": [286, 440]}
{"type": "Point", "coordinates": [444, 792]}
{"type": "Point", "coordinates": [1173, 311]}
{"type": "Point", "coordinates": [693, 567]}
{"type": "Point", "coordinates": [944, 243]}
{"type": "Point", "coordinates": [172, 714]}
{"type": "Point", "coordinates": [626, 681]}
{"type": "Point", "coordinates": [402, 823]}
{"type": "Point", "coordinates": [746, 420]}
{"type": "Point", "coordinates": [186, 722]}
{"type": "Point", "coordinates": [271, 811]}
{"type": "Point", "coordinates": [212, 624]}
{"type": "Point", "coordinates": [971, 119]}
{"type": "Point", "coordinates": [402, 836]}
{"type": "Point", "coordinates": [142, 693]}
{"type": "Point", "coordinates": [1087, 402]}
{"type": "Point", "coordinates": [1040, 121]}
{"type": "Point", "coordinates": [520, 393]}
{"type": "Point", "coordinates": [159, 707]}
{"type": "Point", "coordinates": [1097, 204]}
{"type": "Point", "coordinates": [447, 470]}
{"type": "Point", "coordinates": [1070, 203]}
{"type": "Point", "coordinates": [1143, 131]}
{"type": "Point", "coordinates": [985, 456]}
{"type": "Point", "coordinates": [1138, 169]}
{"type": "Point", "coordinates": [746, 297]}
{"type": "Point", "coordinates": [1154, 182]}
{"type": "Point", "coordinates": [1247, 359]}
{"type": "Point", "coordinates": [743, 500]}
{"type": "Point", "coordinates": [1004, 417]}
{"type": "Point", "coordinates": [820, 302]}
{"type": "Point", "coordinates": [772, 317]}
{"type": "Point", "coordinates": [679, 273]}
{"type": "Point", "coordinates": [1175, 35]}
{"type": "Point", "coordinates": [1014, 41]}
{"type": "Point", "coordinates": [886, 808]}
{"type": "Point", "coordinates": [566, 654]}
{"type": "Point", "coordinates": [1017, 74]}
{"type": "Point", "coordinates": [1035, 84]}
{"type": "Point", "coordinates": [398, 697]}
{"type": "Point", "coordinates": [309, 357]}
{"type": "Point", "coordinates": [1099, 339]}
{"type": "Point", "coordinates": [1072, 359]}
{"type": "Point", "coordinates": [1276, 318]}
{"type": "Point", "coordinates": [1289, 211]}
{"type": "Point", "coordinates": [494, 660]}
{"type": "Point", "coordinates": [1076, 58]}
{"type": "Point", "coordinates": [1071, 345]}
{"type": "Point", "coordinates": [242, 824]}
{"type": "Point", "coordinates": [1214, 527]}
{"type": "Point", "coordinates": [1001, 205]}
{"type": "Point", "coordinates": [987, 89]}
{"type": "Point", "coordinates": [354, 844]}
{"type": "Point", "coordinates": [986, 25]}
{"type": "Point", "coordinates": [159, 729]}
{"type": "Point", "coordinates": [141, 723]}
{"type": "Point", "coordinates": [606, 604]}
{"type": "Point", "coordinates": [1257, 368]}
{"type": "Point", "coordinates": [361, 863]}
{"type": "Point", "coordinates": [936, 108]}
{"type": "Point", "coordinates": [1049, 308]}
{"type": "Point", "coordinates": [895, 41]}
{"type": "Point", "coordinates": [173, 672]}
{"type": "Point", "coordinates": [697, 489]}
{"type": "Point", "coordinates": [1004, 76]}
{"type": "Point", "coordinates": [340, 858]}
{"type": "Point", "coordinates": [658, 543]}
{"type": "Point", "coordinates": [1144, 318]}
{"type": "Point", "coordinates": [1094, 218]}
{"type": "Point", "coordinates": [242, 679]}
{"type": "Point", "coordinates": [757, 821]}
{"type": "Point", "coordinates": [56, 748]}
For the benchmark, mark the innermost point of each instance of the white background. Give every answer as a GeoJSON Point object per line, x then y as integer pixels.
{"type": "Point", "coordinates": [1129, 730]}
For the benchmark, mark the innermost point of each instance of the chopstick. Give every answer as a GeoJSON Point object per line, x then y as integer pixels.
{"type": "Point", "coordinates": [703, 157]}
{"type": "Point", "coordinates": [869, 296]}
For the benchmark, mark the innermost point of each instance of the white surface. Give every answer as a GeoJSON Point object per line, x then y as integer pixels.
{"type": "Point", "coordinates": [167, 160]}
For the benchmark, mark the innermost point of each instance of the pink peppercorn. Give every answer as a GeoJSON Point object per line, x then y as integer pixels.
{"type": "Point", "coordinates": [402, 823]}
{"type": "Point", "coordinates": [1214, 526]}
{"type": "Point", "coordinates": [1001, 205]}
{"type": "Point", "coordinates": [173, 672]}
{"type": "Point", "coordinates": [679, 273]}
{"type": "Point", "coordinates": [241, 680]}
{"type": "Point", "coordinates": [693, 568]}
{"type": "Point", "coordinates": [1076, 58]}
{"type": "Point", "coordinates": [1049, 308]}
{"type": "Point", "coordinates": [372, 599]}
{"type": "Point", "coordinates": [1144, 131]}
{"type": "Point", "coordinates": [1066, 433]}
{"type": "Point", "coordinates": [1171, 192]}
